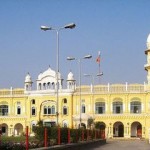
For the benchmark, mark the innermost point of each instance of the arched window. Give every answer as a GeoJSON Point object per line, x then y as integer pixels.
{"type": "Point", "coordinates": [53, 85]}
{"type": "Point", "coordinates": [40, 87]}
{"type": "Point", "coordinates": [27, 87]}
{"type": "Point", "coordinates": [48, 85]}
{"type": "Point", "coordinates": [33, 111]}
{"type": "Point", "coordinates": [70, 85]}
{"type": "Point", "coordinates": [18, 110]}
{"type": "Point", "coordinates": [65, 110]}
{"type": "Point", "coordinates": [3, 110]}
{"type": "Point", "coordinates": [44, 86]}
{"type": "Point", "coordinates": [45, 110]}
{"type": "Point", "coordinates": [117, 107]}
{"type": "Point", "coordinates": [135, 107]}
{"type": "Point", "coordinates": [53, 109]}
{"type": "Point", "coordinates": [83, 108]}
{"type": "Point", "coordinates": [100, 107]}
{"type": "Point", "coordinates": [49, 110]}
{"type": "Point", "coordinates": [33, 101]}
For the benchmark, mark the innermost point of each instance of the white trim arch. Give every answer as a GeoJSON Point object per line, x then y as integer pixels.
{"type": "Point", "coordinates": [65, 123]}
{"type": "Point", "coordinates": [18, 129]}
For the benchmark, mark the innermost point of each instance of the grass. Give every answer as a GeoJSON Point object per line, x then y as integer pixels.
{"type": "Point", "coordinates": [16, 139]}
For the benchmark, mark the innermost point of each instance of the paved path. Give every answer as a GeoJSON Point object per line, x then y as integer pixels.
{"type": "Point", "coordinates": [124, 145]}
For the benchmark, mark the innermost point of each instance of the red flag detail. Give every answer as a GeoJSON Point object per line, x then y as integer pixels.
{"type": "Point", "coordinates": [98, 59]}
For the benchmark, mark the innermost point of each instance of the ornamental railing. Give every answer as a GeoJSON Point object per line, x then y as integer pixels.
{"type": "Point", "coordinates": [11, 92]}
{"type": "Point", "coordinates": [115, 88]}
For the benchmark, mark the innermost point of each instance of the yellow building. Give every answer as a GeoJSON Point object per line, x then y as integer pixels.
{"type": "Point", "coordinates": [122, 110]}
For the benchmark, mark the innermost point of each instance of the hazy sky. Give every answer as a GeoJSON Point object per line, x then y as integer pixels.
{"type": "Point", "coordinates": [117, 28]}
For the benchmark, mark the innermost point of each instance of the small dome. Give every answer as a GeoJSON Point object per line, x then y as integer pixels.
{"type": "Point", "coordinates": [40, 76]}
{"type": "Point", "coordinates": [148, 42]}
{"type": "Point", "coordinates": [70, 76]}
{"type": "Point", "coordinates": [28, 78]}
{"type": "Point", "coordinates": [48, 73]}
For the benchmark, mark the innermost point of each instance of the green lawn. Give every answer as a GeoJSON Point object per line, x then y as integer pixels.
{"type": "Point", "coordinates": [16, 139]}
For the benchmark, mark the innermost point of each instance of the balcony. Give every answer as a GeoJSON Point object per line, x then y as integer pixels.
{"type": "Point", "coordinates": [114, 88]}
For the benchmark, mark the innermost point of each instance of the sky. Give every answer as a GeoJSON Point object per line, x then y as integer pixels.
{"type": "Point", "coordinates": [117, 28]}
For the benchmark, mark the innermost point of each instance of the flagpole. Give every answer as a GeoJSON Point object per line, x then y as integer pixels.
{"type": "Point", "coordinates": [99, 65]}
{"type": "Point", "coordinates": [99, 73]}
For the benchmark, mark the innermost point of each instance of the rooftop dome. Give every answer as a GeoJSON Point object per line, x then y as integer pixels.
{"type": "Point", "coordinates": [48, 72]}
{"type": "Point", "coordinates": [148, 42]}
{"type": "Point", "coordinates": [40, 75]}
{"type": "Point", "coordinates": [28, 78]}
{"type": "Point", "coordinates": [70, 76]}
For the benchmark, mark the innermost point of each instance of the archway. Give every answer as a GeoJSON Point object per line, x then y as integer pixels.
{"type": "Point", "coordinates": [18, 129]}
{"type": "Point", "coordinates": [118, 129]}
{"type": "Point", "coordinates": [4, 129]}
{"type": "Point", "coordinates": [136, 129]}
{"type": "Point", "coordinates": [101, 126]}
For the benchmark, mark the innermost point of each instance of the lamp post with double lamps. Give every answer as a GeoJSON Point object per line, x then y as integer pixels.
{"type": "Point", "coordinates": [46, 28]}
{"type": "Point", "coordinates": [92, 78]}
{"type": "Point", "coordinates": [79, 62]}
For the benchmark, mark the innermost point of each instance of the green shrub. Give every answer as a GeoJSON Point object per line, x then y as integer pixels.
{"type": "Point", "coordinates": [52, 133]}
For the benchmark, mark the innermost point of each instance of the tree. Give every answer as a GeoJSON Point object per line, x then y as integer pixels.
{"type": "Point", "coordinates": [97, 125]}
{"type": "Point", "coordinates": [40, 123]}
{"type": "Point", "coordinates": [90, 121]}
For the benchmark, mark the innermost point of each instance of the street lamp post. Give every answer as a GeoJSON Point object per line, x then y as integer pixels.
{"type": "Point", "coordinates": [45, 28]}
{"type": "Point", "coordinates": [79, 61]}
{"type": "Point", "coordinates": [92, 78]}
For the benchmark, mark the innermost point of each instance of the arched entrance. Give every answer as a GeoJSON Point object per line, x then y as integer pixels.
{"type": "Point", "coordinates": [118, 129]}
{"type": "Point", "coordinates": [136, 129]}
{"type": "Point", "coordinates": [18, 129]}
{"type": "Point", "coordinates": [4, 129]}
{"type": "Point", "coordinates": [101, 126]}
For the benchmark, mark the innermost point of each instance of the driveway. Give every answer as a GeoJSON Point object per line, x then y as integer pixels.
{"type": "Point", "coordinates": [120, 144]}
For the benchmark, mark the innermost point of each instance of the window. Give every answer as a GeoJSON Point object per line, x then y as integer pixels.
{"type": "Point", "coordinates": [65, 100]}
{"type": "Point", "coordinates": [40, 86]}
{"type": "Point", "coordinates": [3, 130]}
{"type": "Point", "coordinates": [83, 108]}
{"type": "Point", "coordinates": [45, 110]}
{"type": "Point", "coordinates": [48, 85]}
{"type": "Point", "coordinates": [18, 110]}
{"type": "Point", "coordinates": [33, 111]}
{"type": "Point", "coordinates": [33, 101]}
{"type": "Point", "coordinates": [49, 110]}
{"type": "Point", "coordinates": [44, 86]}
{"type": "Point", "coordinates": [117, 108]}
{"type": "Point", "coordinates": [100, 107]}
{"type": "Point", "coordinates": [53, 85]}
{"type": "Point", "coordinates": [135, 107]}
{"type": "Point", "coordinates": [53, 109]}
{"type": "Point", "coordinates": [3, 110]}
{"type": "Point", "coordinates": [65, 110]}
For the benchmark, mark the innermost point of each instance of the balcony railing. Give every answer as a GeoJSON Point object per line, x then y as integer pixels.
{"type": "Point", "coordinates": [97, 89]}
{"type": "Point", "coordinates": [115, 88]}
{"type": "Point", "coordinates": [11, 92]}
